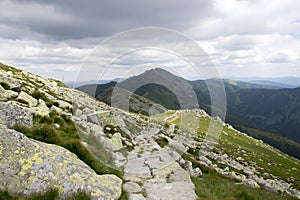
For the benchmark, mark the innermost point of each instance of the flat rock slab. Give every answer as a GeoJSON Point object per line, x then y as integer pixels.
{"type": "Point", "coordinates": [136, 197]}
{"type": "Point", "coordinates": [161, 175]}
{"type": "Point", "coordinates": [136, 170]}
{"type": "Point", "coordinates": [170, 191]}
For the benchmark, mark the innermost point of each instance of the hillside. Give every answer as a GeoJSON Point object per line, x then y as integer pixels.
{"type": "Point", "coordinates": [138, 104]}
{"type": "Point", "coordinates": [58, 138]}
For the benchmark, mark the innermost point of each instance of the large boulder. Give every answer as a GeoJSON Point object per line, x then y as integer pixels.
{"type": "Point", "coordinates": [7, 94]}
{"type": "Point", "coordinates": [12, 114]}
{"type": "Point", "coordinates": [29, 166]}
{"type": "Point", "coordinates": [41, 109]}
{"type": "Point", "coordinates": [23, 96]}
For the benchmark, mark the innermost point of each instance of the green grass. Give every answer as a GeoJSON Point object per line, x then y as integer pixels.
{"type": "Point", "coordinates": [212, 187]}
{"type": "Point", "coordinates": [40, 95]}
{"type": "Point", "coordinates": [162, 142]}
{"type": "Point", "coordinates": [9, 68]}
{"type": "Point", "coordinates": [124, 195]}
{"type": "Point", "coordinates": [261, 154]}
{"type": "Point", "coordinates": [5, 85]}
{"type": "Point", "coordinates": [237, 144]}
{"type": "Point", "coordinates": [67, 137]}
{"type": "Point", "coordinates": [50, 194]}
{"type": "Point", "coordinates": [22, 102]}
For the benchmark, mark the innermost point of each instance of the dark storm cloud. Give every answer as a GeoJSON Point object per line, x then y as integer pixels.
{"type": "Point", "coordinates": [77, 19]}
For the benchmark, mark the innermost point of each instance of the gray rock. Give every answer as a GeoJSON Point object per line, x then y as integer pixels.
{"type": "Point", "coordinates": [132, 187]}
{"type": "Point", "coordinates": [170, 191]}
{"type": "Point", "coordinates": [30, 166]}
{"type": "Point", "coordinates": [293, 192]}
{"type": "Point", "coordinates": [135, 170]}
{"type": "Point", "coordinates": [64, 104]}
{"type": "Point", "coordinates": [7, 94]}
{"type": "Point", "coordinates": [136, 197]}
{"type": "Point", "coordinates": [32, 102]}
{"type": "Point", "coordinates": [251, 183]}
{"type": "Point", "coordinates": [42, 105]}
{"type": "Point", "coordinates": [196, 172]}
{"type": "Point", "coordinates": [12, 114]}
{"type": "Point", "coordinates": [178, 176]}
{"type": "Point", "coordinates": [92, 118]}
{"type": "Point", "coordinates": [56, 109]}
{"type": "Point", "coordinates": [56, 126]}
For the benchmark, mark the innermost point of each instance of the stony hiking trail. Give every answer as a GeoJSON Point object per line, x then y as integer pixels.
{"type": "Point", "coordinates": [157, 170]}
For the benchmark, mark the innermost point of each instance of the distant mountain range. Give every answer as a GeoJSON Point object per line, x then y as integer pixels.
{"type": "Point", "coordinates": [74, 84]}
{"type": "Point", "coordinates": [266, 111]}
{"type": "Point", "coordinates": [283, 82]}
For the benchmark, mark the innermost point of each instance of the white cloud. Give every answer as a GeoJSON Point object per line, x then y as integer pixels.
{"type": "Point", "coordinates": [243, 37]}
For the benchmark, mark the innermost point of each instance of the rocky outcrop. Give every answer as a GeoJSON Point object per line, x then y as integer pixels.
{"type": "Point", "coordinates": [11, 114]}
{"type": "Point", "coordinates": [32, 166]}
{"type": "Point", "coordinates": [23, 96]}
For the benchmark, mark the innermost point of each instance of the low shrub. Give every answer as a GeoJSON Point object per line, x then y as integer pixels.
{"type": "Point", "coordinates": [5, 195]}
{"type": "Point", "coordinates": [51, 194]}
{"type": "Point", "coordinates": [162, 142]}
{"type": "Point", "coordinates": [44, 120]}
{"type": "Point", "coordinates": [46, 134]}
{"type": "Point", "coordinates": [83, 154]}
{"type": "Point", "coordinates": [22, 101]}
{"type": "Point", "coordinates": [22, 129]}
{"type": "Point", "coordinates": [5, 85]}
{"type": "Point", "coordinates": [39, 95]}
{"type": "Point", "coordinates": [80, 195]}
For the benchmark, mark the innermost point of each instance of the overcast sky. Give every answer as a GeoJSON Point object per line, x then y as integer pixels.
{"type": "Point", "coordinates": [242, 37]}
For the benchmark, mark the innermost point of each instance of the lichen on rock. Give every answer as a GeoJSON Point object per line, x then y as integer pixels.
{"type": "Point", "coordinates": [31, 166]}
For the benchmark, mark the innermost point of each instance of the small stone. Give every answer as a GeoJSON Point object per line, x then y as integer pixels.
{"type": "Point", "coordinates": [63, 104]}
{"type": "Point", "coordinates": [132, 187]}
{"type": "Point", "coordinates": [56, 126]}
{"type": "Point", "coordinates": [136, 197]}
{"type": "Point", "coordinates": [251, 183]}
{"type": "Point", "coordinates": [56, 109]}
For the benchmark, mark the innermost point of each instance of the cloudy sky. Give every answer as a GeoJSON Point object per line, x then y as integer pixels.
{"type": "Point", "coordinates": [242, 37]}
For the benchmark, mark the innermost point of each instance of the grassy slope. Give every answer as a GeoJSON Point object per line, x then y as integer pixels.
{"type": "Point", "coordinates": [215, 186]}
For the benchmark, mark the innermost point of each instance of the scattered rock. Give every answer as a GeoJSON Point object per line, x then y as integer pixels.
{"type": "Point", "coordinates": [56, 126]}
{"type": "Point", "coordinates": [136, 197]}
{"type": "Point", "coordinates": [251, 183]}
{"type": "Point", "coordinates": [93, 118]}
{"type": "Point", "coordinates": [132, 187]}
{"type": "Point", "coordinates": [196, 172]}
{"type": "Point", "coordinates": [64, 104]}
{"type": "Point", "coordinates": [23, 96]}
{"type": "Point", "coordinates": [56, 109]}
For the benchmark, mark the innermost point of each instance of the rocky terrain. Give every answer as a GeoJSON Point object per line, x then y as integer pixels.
{"type": "Point", "coordinates": [158, 157]}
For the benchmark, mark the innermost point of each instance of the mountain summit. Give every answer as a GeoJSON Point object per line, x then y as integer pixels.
{"type": "Point", "coordinates": [160, 86]}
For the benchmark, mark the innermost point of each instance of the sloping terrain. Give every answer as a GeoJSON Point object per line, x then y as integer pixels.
{"type": "Point", "coordinates": [138, 104]}
{"type": "Point", "coordinates": [166, 156]}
